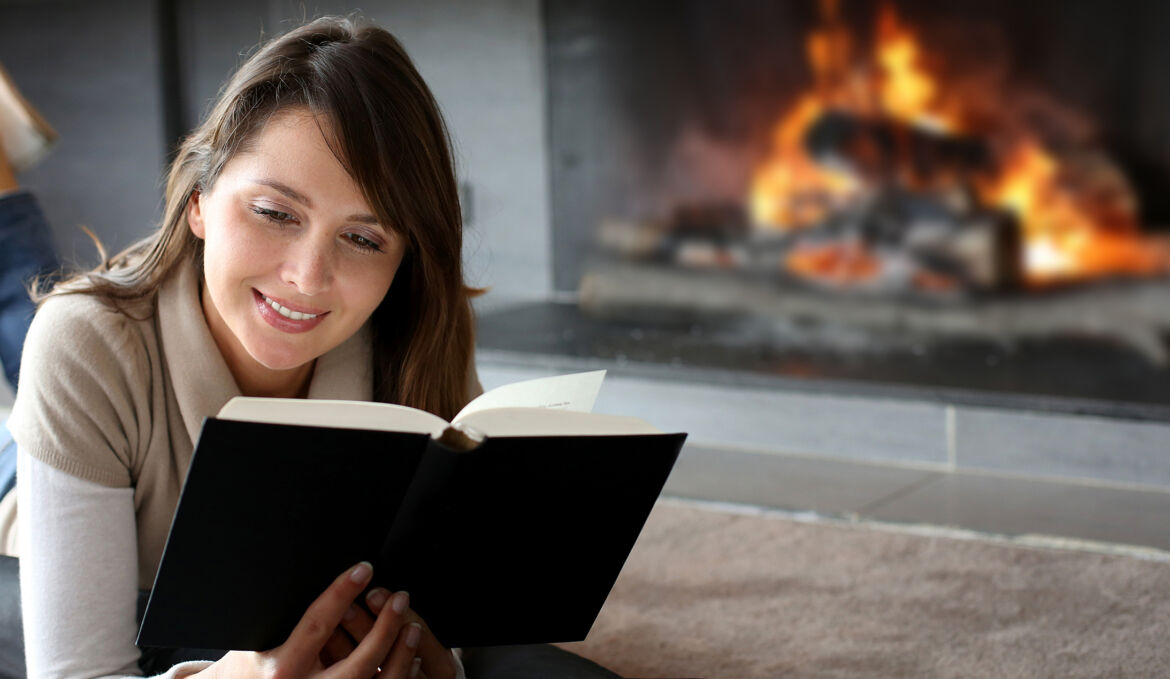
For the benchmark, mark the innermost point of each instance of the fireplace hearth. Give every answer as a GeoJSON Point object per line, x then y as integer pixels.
{"type": "Point", "coordinates": [1072, 375]}
{"type": "Point", "coordinates": [1129, 314]}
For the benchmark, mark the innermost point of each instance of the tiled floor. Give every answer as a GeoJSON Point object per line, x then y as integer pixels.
{"type": "Point", "coordinates": [981, 502]}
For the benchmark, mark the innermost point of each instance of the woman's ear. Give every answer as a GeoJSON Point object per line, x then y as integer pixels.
{"type": "Point", "coordinates": [195, 215]}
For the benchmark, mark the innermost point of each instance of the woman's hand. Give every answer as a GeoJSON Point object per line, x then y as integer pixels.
{"type": "Point", "coordinates": [432, 659]}
{"type": "Point", "coordinates": [386, 650]}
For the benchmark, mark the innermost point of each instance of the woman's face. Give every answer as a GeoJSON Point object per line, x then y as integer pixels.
{"type": "Point", "coordinates": [295, 261]}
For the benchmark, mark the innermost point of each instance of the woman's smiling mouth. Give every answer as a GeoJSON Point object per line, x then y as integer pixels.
{"type": "Point", "coordinates": [282, 317]}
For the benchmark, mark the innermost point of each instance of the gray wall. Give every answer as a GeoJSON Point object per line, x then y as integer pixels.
{"type": "Point", "coordinates": [91, 69]}
{"type": "Point", "coordinates": [94, 70]}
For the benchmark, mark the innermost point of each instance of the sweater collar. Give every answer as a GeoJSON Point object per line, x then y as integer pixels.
{"type": "Point", "coordinates": [200, 377]}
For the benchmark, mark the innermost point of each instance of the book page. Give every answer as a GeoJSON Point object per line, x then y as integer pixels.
{"type": "Point", "coordinates": [527, 407]}
{"type": "Point", "coordinates": [340, 414]}
{"type": "Point", "coordinates": [546, 422]}
{"type": "Point", "coordinates": [576, 392]}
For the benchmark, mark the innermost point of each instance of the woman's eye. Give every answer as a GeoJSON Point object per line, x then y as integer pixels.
{"type": "Point", "coordinates": [363, 243]}
{"type": "Point", "coordinates": [273, 215]}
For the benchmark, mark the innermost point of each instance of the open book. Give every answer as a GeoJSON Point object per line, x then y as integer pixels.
{"type": "Point", "coordinates": [547, 406]}
{"type": "Point", "coordinates": [508, 525]}
{"type": "Point", "coordinates": [24, 135]}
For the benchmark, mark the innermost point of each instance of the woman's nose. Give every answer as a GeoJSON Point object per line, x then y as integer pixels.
{"type": "Point", "coordinates": [308, 266]}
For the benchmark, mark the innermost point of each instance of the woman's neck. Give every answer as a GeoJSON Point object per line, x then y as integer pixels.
{"type": "Point", "coordinates": [275, 384]}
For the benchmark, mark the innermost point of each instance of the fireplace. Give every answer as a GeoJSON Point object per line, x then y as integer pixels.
{"type": "Point", "coordinates": [966, 196]}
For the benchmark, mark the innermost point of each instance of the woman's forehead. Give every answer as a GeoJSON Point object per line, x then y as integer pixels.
{"type": "Point", "coordinates": [293, 139]}
{"type": "Point", "coordinates": [291, 154]}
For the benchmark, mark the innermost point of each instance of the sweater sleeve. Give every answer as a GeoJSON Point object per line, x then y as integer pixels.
{"type": "Point", "coordinates": [82, 406]}
{"type": "Point", "coordinates": [78, 576]}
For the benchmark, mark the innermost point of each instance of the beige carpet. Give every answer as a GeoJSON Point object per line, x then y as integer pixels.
{"type": "Point", "coordinates": [710, 593]}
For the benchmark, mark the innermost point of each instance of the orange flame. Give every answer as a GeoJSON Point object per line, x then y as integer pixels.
{"type": "Point", "coordinates": [1062, 239]}
{"type": "Point", "coordinates": [905, 89]}
{"type": "Point", "coordinates": [791, 190]}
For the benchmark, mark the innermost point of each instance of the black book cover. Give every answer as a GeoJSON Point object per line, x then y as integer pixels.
{"type": "Point", "coordinates": [516, 541]}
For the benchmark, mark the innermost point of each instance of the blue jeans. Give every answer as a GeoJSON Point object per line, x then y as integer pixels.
{"type": "Point", "coordinates": [26, 250]}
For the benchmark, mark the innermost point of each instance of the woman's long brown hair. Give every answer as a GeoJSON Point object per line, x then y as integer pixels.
{"type": "Point", "coordinates": [384, 126]}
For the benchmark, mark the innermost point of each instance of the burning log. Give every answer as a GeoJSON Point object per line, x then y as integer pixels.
{"type": "Point", "coordinates": [986, 255]}
{"type": "Point", "coordinates": [913, 242]}
{"type": "Point", "coordinates": [885, 151]}
{"type": "Point", "coordinates": [918, 218]}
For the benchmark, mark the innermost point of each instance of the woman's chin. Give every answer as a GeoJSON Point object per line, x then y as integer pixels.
{"type": "Point", "coordinates": [281, 361]}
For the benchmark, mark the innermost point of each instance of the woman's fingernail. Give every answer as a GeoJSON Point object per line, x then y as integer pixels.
{"type": "Point", "coordinates": [400, 602]}
{"type": "Point", "coordinates": [361, 573]}
{"type": "Point", "coordinates": [413, 634]}
{"type": "Point", "coordinates": [415, 667]}
{"type": "Point", "coordinates": [350, 613]}
{"type": "Point", "coordinates": [377, 599]}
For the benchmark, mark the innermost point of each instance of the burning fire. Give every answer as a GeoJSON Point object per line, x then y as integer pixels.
{"type": "Point", "coordinates": [1063, 240]}
{"type": "Point", "coordinates": [1067, 234]}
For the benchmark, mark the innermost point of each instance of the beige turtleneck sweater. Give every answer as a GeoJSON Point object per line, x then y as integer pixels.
{"type": "Point", "coordinates": [120, 402]}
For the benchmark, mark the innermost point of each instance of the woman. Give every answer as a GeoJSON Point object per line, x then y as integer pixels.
{"type": "Point", "coordinates": [310, 247]}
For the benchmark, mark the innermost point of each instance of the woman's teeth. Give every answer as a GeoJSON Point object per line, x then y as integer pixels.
{"type": "Point", "coordinates": [288, 313]}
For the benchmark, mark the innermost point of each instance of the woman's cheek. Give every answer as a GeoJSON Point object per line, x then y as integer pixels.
{"type": "Point", "coordinates": [253, 244]}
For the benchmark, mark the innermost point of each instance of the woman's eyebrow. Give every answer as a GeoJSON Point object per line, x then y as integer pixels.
{"type": "Point", "coordinates": [364, 219]}
{"type": "Point", "coordinates": [286, 190]}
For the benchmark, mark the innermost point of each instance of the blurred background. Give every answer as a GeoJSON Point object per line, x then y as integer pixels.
{"type": "Point", "coordinates": [123, 81]}
{"type": "Point", "coordinates": [906, 260]}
